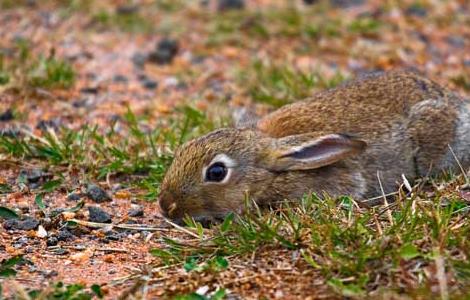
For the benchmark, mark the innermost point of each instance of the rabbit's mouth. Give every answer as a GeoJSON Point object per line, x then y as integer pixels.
{"type": "Point", "coordinates": [206, 221]}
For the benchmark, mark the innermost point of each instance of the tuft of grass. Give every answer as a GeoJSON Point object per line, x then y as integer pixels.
{"type": "Point", "coordinates": [129, 22]}
{"type": "Point", "coordinates": [95, 154]}
{"type": "Point", "coordinates": [357, 251]}
{"type": "Point", "coordinates": [26, 70]}
{"type": "Point", "coordinates": [278, 85]}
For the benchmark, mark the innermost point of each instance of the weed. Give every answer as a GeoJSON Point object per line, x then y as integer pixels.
{"type": "Point", "coordinates": [25, 70]}
{"type": "Point", "coordinates": [135, 152]}
{"type": "Point", "coordinates": [129, 22]}
{"type": "Point", "coordinates": [278, 85]}
{"type": "Point", "coordinates": [344, 243]}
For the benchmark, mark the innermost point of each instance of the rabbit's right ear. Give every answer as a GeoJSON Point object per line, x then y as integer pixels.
{"type": "Point", "coordinates": [304, 152]}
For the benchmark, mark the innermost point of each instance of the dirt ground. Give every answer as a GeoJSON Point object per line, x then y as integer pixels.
{"type": "Point", "coordinates": [113, 74]}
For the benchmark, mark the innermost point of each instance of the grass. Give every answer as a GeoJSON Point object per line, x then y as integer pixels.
{"type": "Point", "coordinates": [130, 22]}
{"type": "Point", "coordinates": [25, 70]}
{"type": "Point", "coordinates": [356, 250]}
{"type": "Point", "coordinates": [279, 84]}
{"type": "Point", "coordinates": [133, 153]}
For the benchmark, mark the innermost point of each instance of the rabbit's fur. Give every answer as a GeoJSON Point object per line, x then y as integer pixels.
{"type": "Point", "coordinates": [341, 141]}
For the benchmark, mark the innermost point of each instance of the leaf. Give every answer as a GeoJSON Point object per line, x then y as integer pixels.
{"type": "Point", "coordinates": [409, 251]}
{"type": "Point", "coordinates": [227, 222]}
{"type": "Point", "coordinates": [221, 262]}
{"type": "Point", "coordinates": [7, 214]}
{"type": "Point", "coordinates": [347, 290]}
{"type": "Point", "coordinates": [39, 202]}
{"type": "Point", "coordinates": [97, 290]}
{"type": "Point", "coordinates": [11, 262]}
{"type": "Point", "coordinates": [309, 259]}
{"type": "Point", "coordinates": [190, 264]}
{"type": "Point", "coordinates": [219, 295]}
{"type": "Point", "coordinates": [51, 185]}
{"type": "Point", "coordinates": [7, 273]}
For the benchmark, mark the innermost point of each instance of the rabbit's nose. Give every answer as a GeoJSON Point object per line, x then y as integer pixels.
{"type": "Point", "coordinates": [167, 204]}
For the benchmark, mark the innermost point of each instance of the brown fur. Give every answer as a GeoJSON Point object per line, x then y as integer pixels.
{"type": "Point", "coordinates": [406, 120]}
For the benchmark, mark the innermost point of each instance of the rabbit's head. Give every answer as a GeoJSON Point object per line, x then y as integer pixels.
{"type": "Point", "coordinates": [212, 176]}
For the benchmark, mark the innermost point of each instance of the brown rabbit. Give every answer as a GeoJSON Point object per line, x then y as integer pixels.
{"type": "Point", "coordinates": [336, 142]}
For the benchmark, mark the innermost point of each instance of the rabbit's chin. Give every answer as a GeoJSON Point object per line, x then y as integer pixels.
{"type": "Point", "coordinates": [205, 220]}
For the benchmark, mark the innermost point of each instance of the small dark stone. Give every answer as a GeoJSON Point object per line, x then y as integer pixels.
{"type": "Point", "coordinates": [346, 3]}
{"type": "Point", "coordinates": [7, 115]}
{"type": "Point", "coordinates": [149, 84]}
{"type": "Point", "coordinates": [10, 132]}
{"type": "Point", "coordinates": [73, 197]}
{"type": "Point", "coordinates": [127, 9]}
{"type": "Point", "coordinates": [416, 10]}
{"type": "Point", "coordinates": [79, 103]}
{"type": "Point", "coordinates": [43, 125]}
{"type": "Point", "coordinates": [98, 215]}
{"type": "Point", "coordinates": [113, 236]}
{"type": "Point", "coordinates": [28, 223]}
{"type": "Point", "coordinates": [89, 90]}
{"type": "Point", "coordinates": [139, 59]}
{"type": "Point", "coordinates": [35, 176]}
{"type": "Point", "coordinates": [310, 2]}
{"type": "Point", "coordinates": [50, 273]}
{"type": "Point", "coordinates": [120, 79]}
{"type": "Point", "coordinates": [60, 251]}
{"type": "Point", "coordinates": [52, 241]}
{"type": "Point", "coordinates": [164, 52]}
{"type": "Point", "coordinates": [456, 41]}
{"type": "Point", "coordinates": [230, 4]}
{"type": "Point", "coordinates": [97, 194]}
{"type": "Point", "coordinates": [65, 235]}
{"type": "Point", "coordinates": [136, 212]}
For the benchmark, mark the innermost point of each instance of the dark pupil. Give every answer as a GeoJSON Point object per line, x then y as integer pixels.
{"type": "Point", "coordinates": [216, 172]}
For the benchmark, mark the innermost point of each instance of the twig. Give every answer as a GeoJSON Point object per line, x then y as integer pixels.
{"type": "Point", "coordinates": [139, 227]}
{"type": "Point", "coordinates": [181, 228]}
{"type": "Point", "coordinates": [460, 165]}
{"type": "Point", "coordinates": [389, 213]}
{"type": "Point", "coordinates": [441, 276]}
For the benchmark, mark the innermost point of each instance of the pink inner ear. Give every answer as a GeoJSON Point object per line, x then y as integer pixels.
{"type": "Point", "coordinates": [327, 147]}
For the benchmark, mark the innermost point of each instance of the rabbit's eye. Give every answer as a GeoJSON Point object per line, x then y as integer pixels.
{"type": "Point", "coordinates": [216, 172]}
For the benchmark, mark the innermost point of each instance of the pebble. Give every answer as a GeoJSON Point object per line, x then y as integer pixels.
{"type": "Point", "coordinates": [456, 41]}
{"type": "Point", "coordinates": [28, 223]}
{"type": "Point", "coordinates": [120, 79]}
{"type": "Point", "coordinates": [10, 132]}
{"type": "Point", "coordinates": [7, 116]}
{"type": "Point", "coordinates": [136, 212]}
{"type": "Point", "coordinates": [230, 4]}
{"type": "Point", "coordinates": [98, 215]}
{"type": "Point", "coordinates": [164, 52]}
{"type": "Point", "coordinates": [89, 90]}
{"type": "Point", "coordinates": [149, 84]}
{"type": "Point", "coordinates": [416, 10]}
{"type": "Point", "coordinates": [65, 235]}
{"type": "Point", "coordinates": [97, 194]}
{"type": "Point", "coordinates": [139, 59]}
{"type": "Point", "coordinates": [346, 3]}
{"type": "Point", "coordinates": [52, 241]}
{"type": "Point", "coordinates": [73, 197]}
{"type": "Point", "coordinates": [114, 236]}
{"type": "Point", "coordinates": [127, 9]}
{"type": "Point", "coordinates": [310, 2]}
{"type": "Point", "coordinates": [43, 125]}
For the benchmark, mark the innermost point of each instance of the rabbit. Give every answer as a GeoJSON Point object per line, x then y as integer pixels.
{"type": "Point", "coordinates": [356, 139]}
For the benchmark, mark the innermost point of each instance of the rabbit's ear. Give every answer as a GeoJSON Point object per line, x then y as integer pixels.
{"type": "Point", "coordinates": [244, 117]}
{"type": "Point", "coordinates": [303, 152]}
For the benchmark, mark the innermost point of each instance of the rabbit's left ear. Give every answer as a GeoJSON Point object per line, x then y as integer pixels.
{"type": "Point", "coordinates": [244, 117]}
{"type": "Point", "coordinates": [303, 152]}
